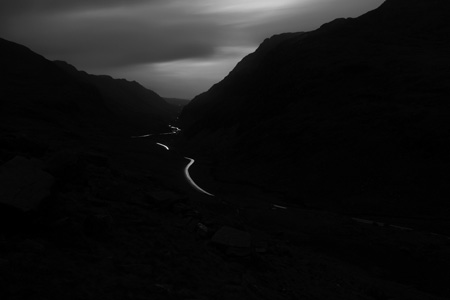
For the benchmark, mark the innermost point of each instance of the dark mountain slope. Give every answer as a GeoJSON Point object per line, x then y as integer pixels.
{"type": "Point", "coordinates": [38, 94]}
{"type": "Point", "coordinates": [352, 116]}
{"type": "Point", "coordinates": [128, 100]}
{"type": "Point", "coordinates": [34, 88]}
{"type": "Point", "coordinates": [177, 103]}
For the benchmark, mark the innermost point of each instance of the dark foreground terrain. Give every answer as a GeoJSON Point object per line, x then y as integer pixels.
{"type": "Point", "coordinates": [114, 218]}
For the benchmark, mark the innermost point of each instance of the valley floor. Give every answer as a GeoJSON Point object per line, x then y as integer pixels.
{"type": "Point", "coordinates": [123, 223]}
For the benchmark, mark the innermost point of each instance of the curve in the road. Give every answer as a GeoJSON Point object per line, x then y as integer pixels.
{"type": "Point", "coordinates": [191, 181]}
{"type": "Point", "coordinates": [275, 206]}
{"type": "Point", "coordinates": [186, 169]}
{"type": "Point", "coordinates": [162, 145]}
{"type": "Point", "coordinates": [187, 175]}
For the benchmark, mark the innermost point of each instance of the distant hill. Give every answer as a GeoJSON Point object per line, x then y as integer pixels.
{"type": "Point", "coordinates": [353, 116]}
{"type": "Point", "coordinates": [37, 93]}
{"type": "Point", "coordinates": [177, 101]}
{"type": "Point", "coordinates": [128, 99]}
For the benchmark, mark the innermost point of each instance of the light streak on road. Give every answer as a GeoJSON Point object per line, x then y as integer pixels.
{"type": "Point", "coordinates": [363, 221]}
{"type": "Point", "coordinates": [141, 136]}
{"type": "Point", "coordinates": [278, 206]}
{"type": "Point", "coordinates": [401, 227]}
{"type": "Point", "coordinates": [162, 145]}
{"type": "Point", "coordinates": [191, 181]}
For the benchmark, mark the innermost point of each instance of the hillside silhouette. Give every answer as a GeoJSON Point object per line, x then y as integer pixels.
{"type": "Point", "coordinates": [128, 100]}
{"type": "Point", "coordinates": [351, 117]}
{"type": "Point", "coordinates": [45, 94]}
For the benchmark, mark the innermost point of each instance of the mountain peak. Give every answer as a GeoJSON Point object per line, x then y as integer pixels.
{"type": "Point", "coordinates": [419, 16]}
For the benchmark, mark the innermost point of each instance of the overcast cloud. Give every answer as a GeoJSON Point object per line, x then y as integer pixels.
{"type": "Point", "coordinates": [178, 48]}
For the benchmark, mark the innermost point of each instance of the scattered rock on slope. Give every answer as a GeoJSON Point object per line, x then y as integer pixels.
{"type": "Point", "coordinates": [23, 184]}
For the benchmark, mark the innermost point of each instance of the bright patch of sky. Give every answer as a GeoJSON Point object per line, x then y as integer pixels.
{"type": "Point", "coordinates": [178, 48]}
{"type": "Point", "coordinates": [243, 6]}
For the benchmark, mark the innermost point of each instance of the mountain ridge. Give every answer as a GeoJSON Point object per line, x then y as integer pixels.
{"type": "Point", "coordinates": [127, 99]}
{"type": "Point", "coordinates": [356, 108]}
{"type": "Point", "coordinates": [56, 94]}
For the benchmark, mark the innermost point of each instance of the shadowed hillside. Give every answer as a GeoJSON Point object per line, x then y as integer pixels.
{"type": "Point", "coordinates": [128, 100]}
{"type": "Point", "coordinates": [39, 93]}
{"type": "Point", "coordinates": [35, 91]}
{"type": "Point", "coordinates": [177, 103]}
{"type": "Point", "coordinates": [353, 116]}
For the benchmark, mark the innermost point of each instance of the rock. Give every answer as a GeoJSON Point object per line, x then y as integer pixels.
{"type": "Point", "coordinates": [193, 213]}
{"type": "Point", "coordinates": [259, 241]}
{"type": "Point", "coordinates": [202, 230]}
{"type": "Point", "coordinates": [23, 185]}
{"type": "Point", "coordinates": [95, 159]}
{"type": "Point", "coordinates": [166, 199]}
{"type": "Point", "coordinates": [32, 246]}
{"type": "Point", "coordinates": [20, 143]}
{"type": "Point", "coordinates": [98, 225]}
{"type": "Point", "coordinates": [238, 251]}
{"type": "Point", "coordinates": [61, 162]}
{"type": "Point", "coordinates": [180, 208]}
{"type": "Point", "coordinates": [231, 237]}
{"type": "Point", "coordinates": [115, 193]}
{"type": "Point", "coordinates": [297, 238]}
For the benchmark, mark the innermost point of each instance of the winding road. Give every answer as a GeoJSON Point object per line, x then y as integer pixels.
{"type": "Point", "coordinates": [189, 178]}
{"type": "Point", "coordinates": [273, 206]}
{"type": "Point", "coordinates": [186, 173]}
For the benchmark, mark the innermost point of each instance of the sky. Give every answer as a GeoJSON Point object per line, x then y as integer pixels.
{"type": "Point", "coordinates": [178, 48]}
